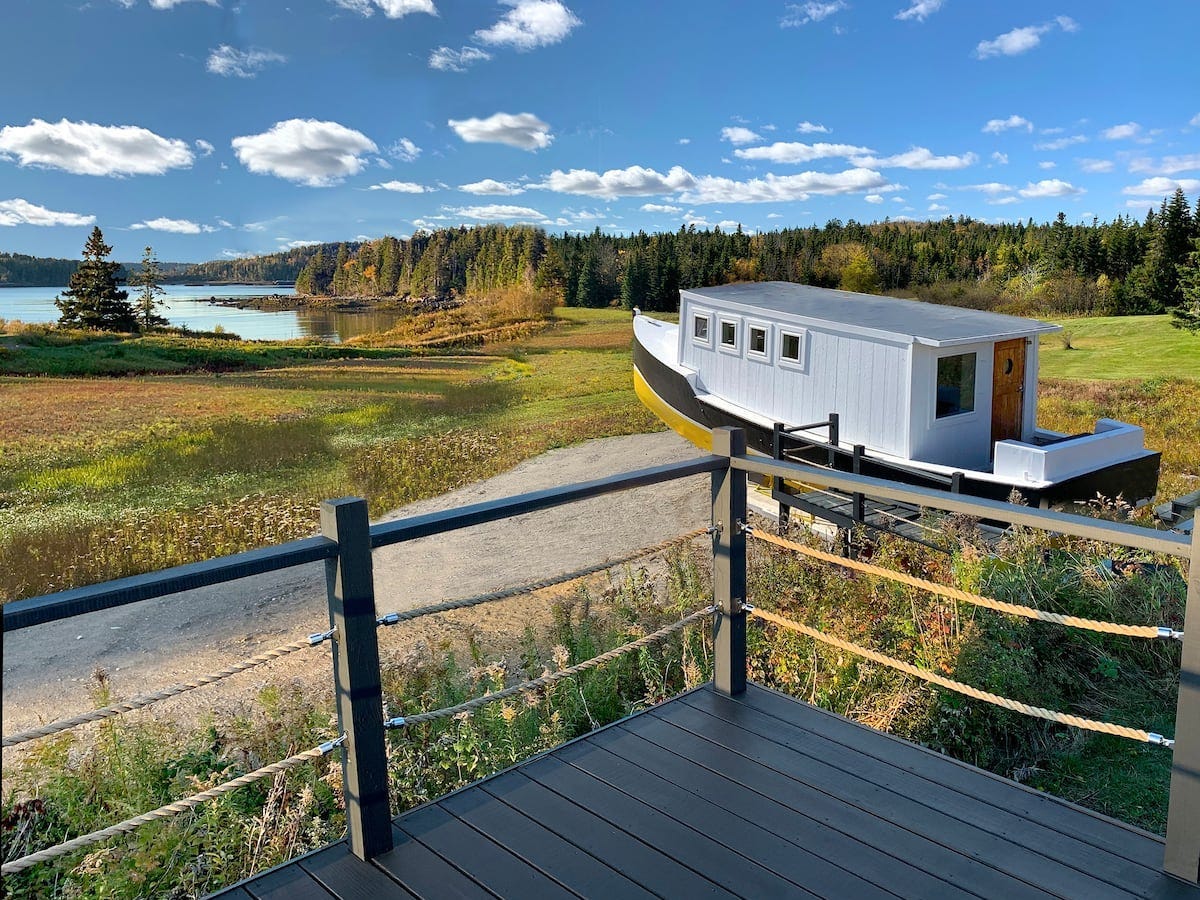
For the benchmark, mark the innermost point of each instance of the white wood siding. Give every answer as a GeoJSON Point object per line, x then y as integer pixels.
{"type": "Point", "coordinates": [864, 380]}
{"type": "Point", "coordinates": [962, 440]}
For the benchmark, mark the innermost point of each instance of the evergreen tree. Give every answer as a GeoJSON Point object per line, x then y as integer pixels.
{"type": "Point", "coordinates": [149, 291]}
{"type": "Point", "coordinates": [635, 283]}
{"type": "Point", "coordinates": [93, 299]}
{"type": "Point", "coordinates": [587, 293]}
{"type": "Point", "coordinates": [1187, 314]}
{"type": "Point", "coordinates": [859, 274]}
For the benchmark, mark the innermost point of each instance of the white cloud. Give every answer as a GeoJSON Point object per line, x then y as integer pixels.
{"type": "Point", "coordinates": [1168, 165]}
{"type": "Point", "coordinates": [1195, 121]}
{"type": "Point", "coordinates": [1096, 166]}
{"type": "Point", "coordinates": [920, 10]}
{"type": "Point", "coordinates": [447, 59]}
{"type": "Point", "coordinates": [1022, 40]}
{"type": "Point", "coordinates": [22, 212]}
{"type": "Point", "coordinates": [309, 151]}
{"type": "Point", "coordinates": [1047, 164]}
{"type": "Point", "coordinates": [995, 126]}
{"type": "Point", "coordinates": [684, 141]}
{"type": "Point", "coordinates": [768, 128]}
{"type": "Point", "coordinates": [1003, 201]}
{"type": "Point", "coordinates": [1160, 186]}
{"type": "Point", "coordinates": [874, 198]}
{"type": "Point", "coordinates": [401, 187]}
{"type": "Point", "coordinates": [807, 127]}
{"type": "Point", "coordinates": [83, 148]}
{"type": "Point", "coordinates": [1000, 159]}
{"type": "Point", "coordinates": [1061, 143]}
{"type": "Point", "coordinates": [661, 208]}
{"type": "Point", "coordinates": [783, 188]}
{"type": "Point", "coordinates": [166, 4]}
{"type": "Point", "coordinates": [937, 207]}
{"type": "Point", "coordinates": [1121, 132]}
{"type": "Point", "coordinates": [991, 187]}
{"type": "Point", "coordinates": [937, 197]}
{"type": "Point", "coordinates": [634, 181]}
{"type": "Point", "coordinates": [1051, 187]}
{"type": "Point", "coordinates": [530, 24]}
{"type": "Point", "coordinates": [802, 13]}
{"type": "Point", "coordinates": [230, 61]}
{"type": "Point", "coordinates": [492, 187]}
{"type": "Point", "coordinates": [498, 211]}
{"type": "Point", "coordinates": [523, 130]}
{"type": "Point", "coordinates": [916, 158]}
{"type": "Point", "coordinates": [393, 9]}
{"type": "Point", "coordinates": [774, 215]}
{"type": "Point", "coordinates": [175, 226]}
{"type": "Point", "coordinates": [404, 150]}
{"type": "Point", "coordinates": [205, 148]}
{"type": "Point", "coordinates": [739, 135]}
{"type": "Point", "coordinates": [296, 245]}
{"type": "Point", "coordinates": [796, 152]}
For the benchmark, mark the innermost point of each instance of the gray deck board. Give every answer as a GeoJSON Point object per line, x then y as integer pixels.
{"type": "Point", "coordinates": [754, 796]}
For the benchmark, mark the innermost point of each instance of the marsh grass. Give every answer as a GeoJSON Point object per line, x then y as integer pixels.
{"type": "Point", "coordinates": [78, 782]}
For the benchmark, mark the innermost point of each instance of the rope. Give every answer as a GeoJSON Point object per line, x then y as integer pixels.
{"type": "Point", "coordinates": [934, 678]}
{"type": "Point", "coordinates": [546, 680]}
{"type": "Point", "coordinates": [143, 700]}
{"type": "Point", "coordinates": [396, 617]}
{"type": "Point", "coordinates": [1029, 612]}
{"type": "Point", "coordinates": [166, 812]}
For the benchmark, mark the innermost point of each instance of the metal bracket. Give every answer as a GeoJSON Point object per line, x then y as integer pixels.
{"type": "Point", "coordinates": [321, 637]}
{"type": "Point", "coordinates": [1169, 634]}
{"type": "Point", "coordinates": [1153, 738]}
{"type": "Point", "coordinates": [389, 619]}
{"type": "Point", "coordinates": [330, 746]}
{"type": "Point", "coordinates": [397, 722]}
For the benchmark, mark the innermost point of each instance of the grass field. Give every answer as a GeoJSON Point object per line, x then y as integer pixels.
{"type": "Point", "coordinates": [1117, 348]}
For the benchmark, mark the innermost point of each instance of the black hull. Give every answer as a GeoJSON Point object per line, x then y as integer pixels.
{"type": "Point", "coordinates": [1134, 480]}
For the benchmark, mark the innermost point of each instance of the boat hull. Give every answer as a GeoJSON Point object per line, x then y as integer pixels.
{"type": "Point", "coordinates": [669, 395]}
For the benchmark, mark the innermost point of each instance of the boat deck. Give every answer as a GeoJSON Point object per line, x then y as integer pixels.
{"type": "Point", "coordinates": [754, 796]}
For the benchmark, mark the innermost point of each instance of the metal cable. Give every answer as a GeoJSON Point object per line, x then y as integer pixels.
{"type": "Point", "coordinates": [1029, 612]}
{"type": "Point", "coordinates": [396, 617]}
{"type": "Point", "coordinates": [143, 700]}
{"type": "Point", "coordinates": [1136, 734]}
{"type": "Point", "coordinates": [543, 681]}
{"type": "Point", "coordinates": [166, 812]}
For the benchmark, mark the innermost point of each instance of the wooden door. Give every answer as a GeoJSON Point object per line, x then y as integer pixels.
{"type": "Point", "coordinates": [1008, 386]}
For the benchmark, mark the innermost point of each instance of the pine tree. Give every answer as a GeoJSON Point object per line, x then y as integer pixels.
{"type": "Point", "coordinates": [1187, 314]}
{"type": "Point", "coordinates": [92, 299]}
{"type": "Point", "coordinates": [149, 291]}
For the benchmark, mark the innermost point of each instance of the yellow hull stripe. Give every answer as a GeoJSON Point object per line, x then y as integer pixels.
{"type": "Point", "coordinates": [693, 431]}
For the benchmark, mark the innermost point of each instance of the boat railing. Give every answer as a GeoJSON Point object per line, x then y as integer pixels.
{"type": "Point", "coordinates": [347, 540]}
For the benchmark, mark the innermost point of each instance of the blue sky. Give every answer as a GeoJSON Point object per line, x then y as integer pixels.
{"type": "Point", "coordinates": [212, 128]}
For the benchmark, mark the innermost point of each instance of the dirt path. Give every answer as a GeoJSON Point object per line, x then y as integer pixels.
{"type": "Point", "coordinates": [158, 642]}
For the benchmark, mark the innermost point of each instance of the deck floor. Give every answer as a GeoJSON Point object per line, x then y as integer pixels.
{"type": "Point", "coordinates": [756, 796]}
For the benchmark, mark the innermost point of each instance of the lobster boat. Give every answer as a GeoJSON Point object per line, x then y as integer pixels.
{"type": "Point", "coordinates": [916, 392]}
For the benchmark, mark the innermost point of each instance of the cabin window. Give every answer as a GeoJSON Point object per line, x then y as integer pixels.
{"type": "Point", "coordinates": [791, 348]}
{"type": "Point", "coordinates": [700, 329]}
{"type": "Point", "coordinates": [955, 385]}
{"type": "Point", "coordinates": [756, 340]}
{"type": "Point", "coordinates": [729, 334]}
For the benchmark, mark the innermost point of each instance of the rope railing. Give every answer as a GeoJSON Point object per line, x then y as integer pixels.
{"type": "Point", "coordinates": [1050, 715]}
{"type": "Point", "coordinates": [141, 701]}
{"type": "Point", "coordinates": [546, 680]}
{"type": "Point", "coordinates": [567, 577]}
{"type": "Point", "coordinates": [1029, 612]}
{"type": "Point", "coordinates": [169, 810]}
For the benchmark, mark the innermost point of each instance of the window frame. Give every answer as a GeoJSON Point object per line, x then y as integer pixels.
{"type": "Point", "coordinates": [763, 355]}
{"type": "Point", "coordinates": [801, 336]}
{"type": "Point", "coordinates": [707, 316]}
{"type": "Point", "coordinates": [961, 415]}
{"type": "Point", "coordinates": [734, 349]}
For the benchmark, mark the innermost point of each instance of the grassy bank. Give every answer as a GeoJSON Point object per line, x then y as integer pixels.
{"type": "Point", "coordinates": [1118, 348]}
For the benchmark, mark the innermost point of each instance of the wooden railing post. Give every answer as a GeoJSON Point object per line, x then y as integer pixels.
{"type": "Point", "coordinates": [351, 588]}
{"type": "Point", "coordinates": [1183, 814]}
{"type": "Point", "coordinates": [729, 565]}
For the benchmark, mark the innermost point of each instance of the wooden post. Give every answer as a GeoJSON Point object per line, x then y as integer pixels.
{"type": "Point", "coordinates": [1183, 814]}
{"type": "Point", "coordinates": [351, 588]}
{"type": "Point", "coordinates": [785, 511]}
{"type": "Point", "coordinates": [729, 565]}
{"type": "Point", "coordinates": [858, 502]}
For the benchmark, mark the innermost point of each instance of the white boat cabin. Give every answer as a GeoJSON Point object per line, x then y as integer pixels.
{"type": "Point", "coordinates": [911, 380]}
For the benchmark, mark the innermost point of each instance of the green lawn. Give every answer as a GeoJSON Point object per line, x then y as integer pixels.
{"type": "Point", "coordinates": [1120, 347]}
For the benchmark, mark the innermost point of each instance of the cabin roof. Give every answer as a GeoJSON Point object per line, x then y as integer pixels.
{"type": "Point", "coordinates": [910, 321]}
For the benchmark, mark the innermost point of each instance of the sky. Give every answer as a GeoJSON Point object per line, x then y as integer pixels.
{"type": "Point", "coordinates": [222, 128]}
